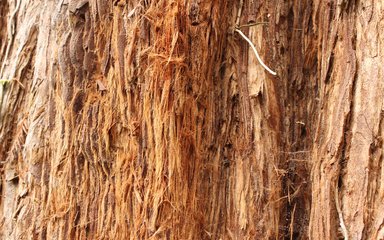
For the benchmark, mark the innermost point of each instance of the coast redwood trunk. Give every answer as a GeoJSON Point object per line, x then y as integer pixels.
{"type": "Point", "coordinates": [154, 120]}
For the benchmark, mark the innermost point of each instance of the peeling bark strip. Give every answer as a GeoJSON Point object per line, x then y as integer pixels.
{"type": "Point", "coordinates": [153, 120]}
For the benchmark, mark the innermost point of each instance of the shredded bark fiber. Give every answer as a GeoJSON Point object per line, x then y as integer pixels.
{"type": "Point", "coordinates": [154, 120]}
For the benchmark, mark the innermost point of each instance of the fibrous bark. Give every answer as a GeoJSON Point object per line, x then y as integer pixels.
{"type": "Point", "coordinates": [153, 119]}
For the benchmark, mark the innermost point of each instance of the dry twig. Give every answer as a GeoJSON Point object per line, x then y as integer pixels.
{"type": "Point", "coordinates": [255, 51]}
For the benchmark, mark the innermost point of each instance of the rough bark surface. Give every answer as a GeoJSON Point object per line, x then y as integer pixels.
{"type": "Point", "coordinates": [154, 120]}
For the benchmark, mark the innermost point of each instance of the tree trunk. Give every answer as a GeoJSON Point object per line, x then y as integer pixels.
{"type": "Point", "coordinates": [154, 120]}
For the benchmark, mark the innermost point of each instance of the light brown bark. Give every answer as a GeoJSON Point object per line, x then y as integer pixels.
{"type": "Point", "coordinates": [154, 120]}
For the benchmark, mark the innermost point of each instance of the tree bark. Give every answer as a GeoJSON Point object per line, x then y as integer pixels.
{"type": "Point", "coordinates": [154, 120]}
